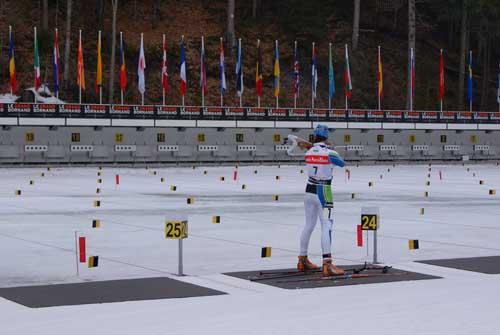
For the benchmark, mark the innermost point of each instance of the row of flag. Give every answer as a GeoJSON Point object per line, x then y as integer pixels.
{"type": "Point", "coordinates": [165, 79]}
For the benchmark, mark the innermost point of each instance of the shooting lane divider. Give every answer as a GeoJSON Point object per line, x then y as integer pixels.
{"type": "Point", "coordinates": [99, 181]}
{"type": "Point", "coordinates": [428, 183]}
{"type": "Point", "coordinates": [370, 183]}
{"type": "Point", "coordinates": [48, 168]}
{"type": "Point", "coordinates": [173, 188]}
{"type": "Point", "coordinates": [190, 201]}
{"type": "Point", "coordinates": [18, 192]}
{"type": "Point", "coordinates": [413, 244]}
{"type": "Point", "coordinates": [98, 173]}
{"type": "Point", "coordinates": [381, 176]}
{"type": "Point", "coordinates": [426, 194]}
{"type": "Point", "coordinates": [481, 182]}
{"type": "Point", "coordinates": [32, 182]}
{"type": "Point", "coordinates": [276, 197]}
{"type": "Point", "coordinates": [96, 223]}
{"type": "Point", "coordinates": [42, 174]}
{"type": "Point", "coordinates": [493, 192]}
{"type": "Point", "coordinates": [243, 187]}
{"type": "Point", "coordinates": [221, 178]}
{"type": "Point", "coordinates": [98, 190]}
{"type": "Point", "coordinates": [97, 203]}
{"type": "Point", "coordinates": [353, 195]}
{"type": "Point", "coordinates": [162, 180]}
{"type": "Point", "coordinates": [254, 171]}
{"type": "Point", "coordinates": [265, 252]}
{"type": "Point", "coordinates": [301, 171]}
{"type": "Point", "coordinates": [215, 219]}
{"type": "Point", "coordinates": [277, 177]}
{"type": "Point", "coordinates": [205, 172]}
{"type": "Point", "coordinates": [422, 211]}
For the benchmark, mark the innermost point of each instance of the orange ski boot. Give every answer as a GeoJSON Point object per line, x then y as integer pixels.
{"type": "Point", "coordinates": [329, 269]}
{"type": "Point", "coordinates": [305, 264]}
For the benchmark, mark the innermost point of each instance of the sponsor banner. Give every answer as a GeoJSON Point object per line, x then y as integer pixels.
{"type": "Point", "coordinates": [337, 113]}
{"type": "Point", "coordinates": [495, 116]}
{"type": "Point", "coordinates": [95, 109]}
{"type": "Point", "coordinates": [356, 113]}
{"type": "Point", "coordinates": [447, 116]}
{"type": "Point", "coordinates": [464, 116]}
{"type": "Point", "coordinates": [430, 115]}
{"type": "Point", "coordinates": [277, 112]}
{"type": "Point", "coordinates": [45, 108]}
{"type": "Point", "coordinates": [18, 108]}
{"type": "Point", "coordinates": [213, 111]}
{"type": "Point", "coordinates": [260, 112]}
{"type": "Point", "coordinates": [143, 110]}
{"type": "Point", "coordinates": [297, 112]}
{"type": "Point", "coordinates": [237, 111]}
{"type": "Point", "coordinates": [375, 114]}
{"type": "Point", "coordinates": [481, 116]}
{"type": "Point", "coordinates": [412, 115]}
{"type": "Point", "coordinates": [166, 110]}
{"type": "Point", "coordinates": [317, 159]}
{"type": "Point", "coordinates": [394, 115]}
{"type": "Point", "coordinates": [119, 110]}
{"type": "Point", "coordinates": [70, 109]}
{"type": "Point", "coordinates": [319, 113]}
{"type": "Point", "coordinates": [190, 111]}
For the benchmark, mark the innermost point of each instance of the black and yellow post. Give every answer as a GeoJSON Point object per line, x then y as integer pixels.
{"type": "Point", "coordinates": [277, 177]}
{"type": "Point", "coordinates": [98, 190]}
{"type": "Point", "coordinates": [190, 201]}
{"type": "Point", "coordinates": [493, 192]}
{"type": "Point", "coordinates": [42, 174]}
{"type": "Point", "coordinates": [96, 223]}
{"type": "Point", "coordinates": [370, 183]}
{"type": "Point", "coordinates": [243, 187]}
{"type": "Point", "coordinates": [481, 182]}
{"type": "Point", "coordinates": [265, 252]}
{"type": "Point", "coordinates": [428, 183]}
{"type": "Point", "coordinates": [162, 180]}
{"type": "Point", "coordinates": [353, 195]}
{"type": "Point", "coordinates": [99, 181]}
{"type": "Point", "coordinates": [93, 261]}
{"type": "Point", "coordinates": [205, 172]}
{"type": "Point", "coordinates": [215, 219]}
{"type": "Point", "coordinates": [18, 192]}
{"type": "Point", "coordinates": [276, 197]}
{"type": "Point", "coordinates": [97, 203]}
{"type": "Point", "coordinates": [173, 188]}
{"type": "Point", "coordinates": [32, 182]}
{"type": "Point", "coordinates": [426, 194]}
{"type": "Point", "coordinates": [413, 244]}
{"type": "Point", "coordinates": [221, 178]}
{"type": "Point", "coordinates": [98, 173]}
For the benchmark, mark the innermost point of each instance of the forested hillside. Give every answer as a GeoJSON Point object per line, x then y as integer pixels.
{"type": "Point", "coordinates": [456, 26]}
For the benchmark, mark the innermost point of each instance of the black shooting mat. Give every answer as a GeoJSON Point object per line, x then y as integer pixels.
{"type": "Point", "coordinates": [487, 264]}
{"type": "Point", "coordinates": [103, 292]}
{"type": "Point", "coordinates": [314, 279]}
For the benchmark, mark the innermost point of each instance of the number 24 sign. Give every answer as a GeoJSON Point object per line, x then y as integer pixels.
{"type": "Point", "coordinates": [176, 230]}
{"type": "Point", "coordinates": [369, 222]}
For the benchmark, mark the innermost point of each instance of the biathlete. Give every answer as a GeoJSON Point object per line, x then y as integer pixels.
{"type": "Point", "coordinates": [318, 202]}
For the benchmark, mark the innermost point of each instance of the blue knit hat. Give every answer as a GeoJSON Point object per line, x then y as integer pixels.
{"type": "Point", "coordinates": [321, 130]}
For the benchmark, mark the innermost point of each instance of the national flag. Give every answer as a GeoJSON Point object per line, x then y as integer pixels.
{"type": "Point", "coordinates": [412, 74]}
{"type": "Point", "coordinates": [380, 77]}
{"type": "Point", "coordinates": [331, 74]}
{"type": "Point", "coordinates": [347, 76]}
{"type": "Point", "coordinates": [203, 71]}
{"type": "Point", "coordinates": [164, 69]}
{"type": "Point", "coordinates": [276, 71]}
{"type": "Point", "coordinates": [123, 67]}
{"type": "Point", "coordinates": [469, 79]}
{"type": "Point", "coordinates": [296, 71]}
{"type": "Point", "coordinates": [314, 72]}
{"type": "Point", "coordinates": [36, 65]}
{"type": "Point", "coordinates": [223, 85]}
{"type": "Point", "coordinates": [141, 66]}
{"type": "Point", "coordinates": [258, 71]}
{"type": "Point", "coordinates": [12, 64]}
{"type": "Point", "coordinates": [98, 79]}
{"type": "Point", "coordinates": [498, 87]}
{"type": "Point", "coordinates": [441, 76]}
{"type": "Point", "coordinates": [239, 71]}
{"type": "Point", "coordinates": [183, 84]}
{"type": "Point", "coordinates": [80, 75]}
{"type": "Point", "coordinates": [55, 62]}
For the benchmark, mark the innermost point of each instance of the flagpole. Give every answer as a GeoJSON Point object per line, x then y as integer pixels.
{"type": "Point", "coordinates": [313, 90]}
{"type": "Point", "coordinates": [295, 79]}
{"type": "Point", "coordinates": [347, 88]}
{"type": "Point", "coordinates": [121, 50]}
{"type": "Point", "coordinates": [100, 86]}
{"type": "Point", "coordinates": [241, 70]}
{"type": "Point", "coordinates": [183, 97]}
{"type": "Point", "coordinates": [10, 39]}
{"type": "Point", "coordinates": [57, 60]}
{"type": "Point", "coordinates": [329, 94]}
{"type": "Point", "coordinates": [80, 84]}
{"type": "Point", "coordinates": [162, 87]}
{"type": "Point", "coordinates": [379, 79]}
{"type": "Point", "coordinates": [258, 64]}
{"type": "Point", "coordinates": [35, 70]}
{"type": "Point", "coordinates": [411, 79]}
{"type": "Point", "coordinates": [201, 79]}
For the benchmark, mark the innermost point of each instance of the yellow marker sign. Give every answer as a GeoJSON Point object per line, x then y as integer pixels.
{"type": "Point", "coordinates": [175, 230]}
{"type": "Point", "coordinates": [369, 221]}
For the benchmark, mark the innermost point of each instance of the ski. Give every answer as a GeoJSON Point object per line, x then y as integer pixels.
{"type": "Point", "coordinates": [341, 277]}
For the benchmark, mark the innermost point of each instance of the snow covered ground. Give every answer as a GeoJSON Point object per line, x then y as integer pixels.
{"type": "Point", "coordinates": [37, 245]}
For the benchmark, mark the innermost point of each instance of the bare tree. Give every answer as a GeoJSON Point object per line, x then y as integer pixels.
{"type": "Point", "coordinates": [67, 43]}
{"type": "Point", "coordinates": [411, 45]}
{"type": "Point", "coordinates": [113, 50]}
{"type": "Point", "coordinates": [100, 14]}
{"type": "Point", "coordinates": [45, 15]}
{"type": "Point", "coordinates": [231, 38]}
{"type": "Point", "coordinates": [355, 25]}
{"type": "Point", "coordinates": [463, 51]}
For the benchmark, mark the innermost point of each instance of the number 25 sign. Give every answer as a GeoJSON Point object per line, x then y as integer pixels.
{"type": "Point", "coordinates": [176, 230]}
